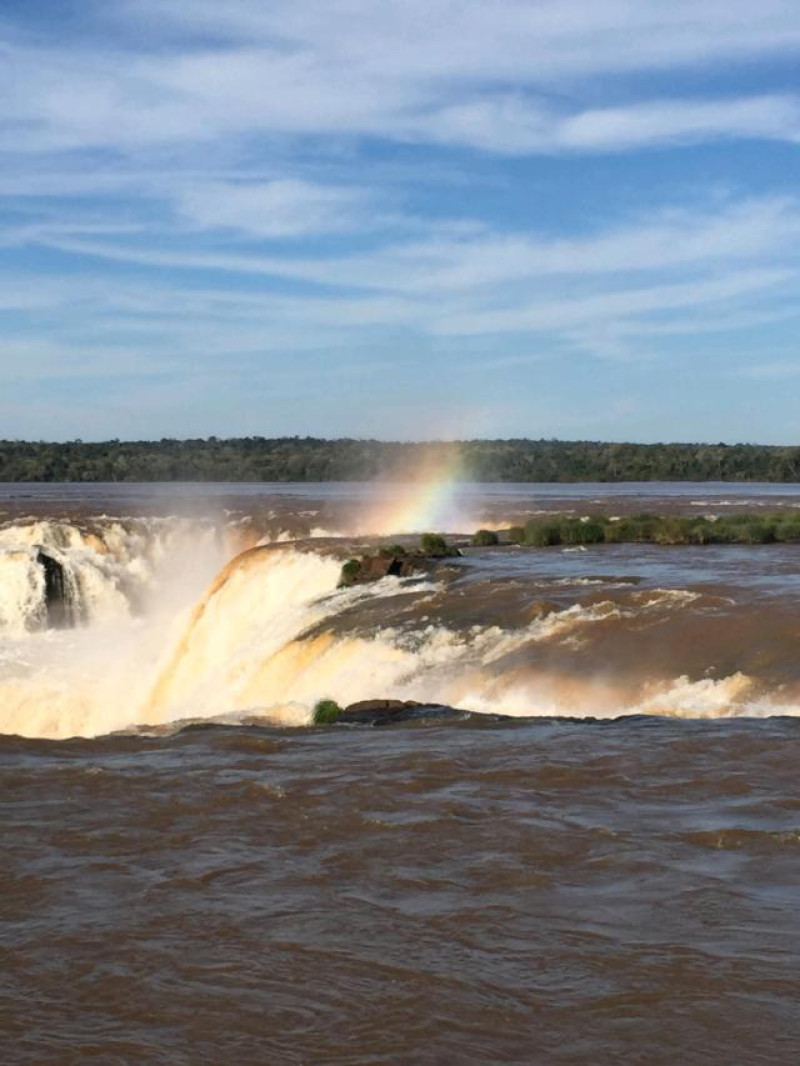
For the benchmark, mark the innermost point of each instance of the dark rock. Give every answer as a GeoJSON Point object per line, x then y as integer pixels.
{"type": "Point", "coordinates": [374, 567]}
{"type": "Point", "coordinates": [57, 598]}
{"type": "Point", "coordinates": [372, 712]}
{"type": "Point", "coordinates": [391, 712]}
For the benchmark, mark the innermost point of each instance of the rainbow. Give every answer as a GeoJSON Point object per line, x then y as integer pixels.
{"type": "Point", "coordinates": [426, 502]}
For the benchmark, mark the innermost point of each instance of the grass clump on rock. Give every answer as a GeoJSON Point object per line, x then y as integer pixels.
{"type": "Point", "coordinates": [349, 573]}
{"type": "Point", "coordinates": [326, 712]}
{"type": "Point", "coordinates": [485, 538]}
{"type": "Point", "coordinates": [392, 551]}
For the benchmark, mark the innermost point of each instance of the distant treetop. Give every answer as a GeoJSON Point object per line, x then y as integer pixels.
{"type": "Point", "coordinates": [313, 459]}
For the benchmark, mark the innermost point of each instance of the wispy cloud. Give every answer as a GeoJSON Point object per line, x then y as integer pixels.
{"type": "Point", "coordinates": [273, 209]}
{"type": "Point", "coordinates": [189, 187]}
{"type": "Point", "coordinates": [612, 305]}
{"type": "Point", "coordinates": [671, 238]}
{"type": "Point", "coordinates": [491, 77]}
{"type": "Point", "coordinates": [508, 39]}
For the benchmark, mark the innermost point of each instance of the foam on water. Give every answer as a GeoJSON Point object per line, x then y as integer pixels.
{"type": "Point", "coordinates": [150, 646]}
{"type": "Point", "coordinates": [22, 591]}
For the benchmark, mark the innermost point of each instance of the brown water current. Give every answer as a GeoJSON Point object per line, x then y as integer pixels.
{"type": "Point", "coordinates": [543, 892]}
{"type": "Point", "coordinates": [581, 847]}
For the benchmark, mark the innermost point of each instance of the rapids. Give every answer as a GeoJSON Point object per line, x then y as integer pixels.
{"type": "Point", "coordinates": [237, 614]}
{"type": "Point", "coordinates": [186, 879]}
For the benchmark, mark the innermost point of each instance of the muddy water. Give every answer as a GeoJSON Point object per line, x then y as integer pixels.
{"type": "Point", "coordinates": [534, 890]}
{"type": "Point", "coordinates": [542, 892]}
{"type": "Point", "coordinates": [341, 505]}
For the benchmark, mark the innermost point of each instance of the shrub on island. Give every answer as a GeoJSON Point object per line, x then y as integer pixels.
{"type": "Point", "coordinates": [392, 551]}
{"type": "Point", "coordinates": [485, 538]}
{"type": "Point", "coordinates": [787, 530]}
{"type": "Point", "coordinates": [326, 712]}
{"type": "Point", "coordinates": [575, 532]}
{"type": "Point", "coordinates": [539, 534]}
{"type": "Point", "coordinates": [434, 544]}
{"type": "Point", "coordinates": [350, 571]}
{"type": "Point", "coordinates": [666, 530]}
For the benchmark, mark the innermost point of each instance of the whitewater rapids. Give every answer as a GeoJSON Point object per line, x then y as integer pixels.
{"type": "Point", "coordinates": [556, 878]}
{"type": "Point", "coordinates": [163, 629]}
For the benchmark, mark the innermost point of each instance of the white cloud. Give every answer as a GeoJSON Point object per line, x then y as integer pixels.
{"type": "Point", "coordinates": [667, 239]}
{"type": "Point", "coordinates": [151, 171]}
{"type": "Point", "coordinates": [670, 239]}
{"type": "Point", "coordinates": [591, 294]}
{"type": "Point", "coordinates": [59, 105]}
{"type": "Point", "coordinates": [683, 121]}
{"type": "Point", "coordinates": [282, 208]}
{"type": "Point", "coordinates": [509, 77]}
{"type": "Point", "coordinates": [518, 126]}
{"type": "Point", "coordinates": [507, 40]}
{"type": "Point", "coordinates": [568, 312]}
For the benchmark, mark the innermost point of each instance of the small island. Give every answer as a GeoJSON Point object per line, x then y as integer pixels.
{"type": "Point", "coordinates": [399, 560]}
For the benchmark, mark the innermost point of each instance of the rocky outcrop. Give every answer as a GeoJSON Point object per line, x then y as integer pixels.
{"type": "Point", "coordinates": [366, 568]}
{"type": "Point", "coordinates": [391, 712]}
{"type": "Point", "coordinates": [374, 567]}
{"type": "Point", "coordinates": [57, 598]}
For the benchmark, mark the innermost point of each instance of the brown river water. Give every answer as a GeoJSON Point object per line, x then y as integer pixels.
{"type": "Point", "coordinates": [592, 857]}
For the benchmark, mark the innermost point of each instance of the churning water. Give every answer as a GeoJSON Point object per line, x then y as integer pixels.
{"type": "Point", "coordinates": [607, 875]}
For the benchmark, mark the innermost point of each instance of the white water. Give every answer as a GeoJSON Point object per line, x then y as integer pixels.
{"type": "Point", "coordinates": [110, 569]}
{"type": "Point", "coordinates": [263, 640]}
{"type": "Point", "coordinates": [130, 587]}
{"type": "Point", "coordinates": [22, 591]}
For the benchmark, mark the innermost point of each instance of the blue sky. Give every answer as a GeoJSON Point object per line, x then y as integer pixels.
{"type": "Point", "coordinates": [405, 219]}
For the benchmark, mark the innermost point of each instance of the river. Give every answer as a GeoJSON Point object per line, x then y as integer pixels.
{"type": "Point", "coordinates": [592, 857]}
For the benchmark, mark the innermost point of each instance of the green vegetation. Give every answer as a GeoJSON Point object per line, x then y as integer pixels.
{"type": "Point", "coordinates": [313, 459]}
{"type": "Point", "coordinates": [326, 712]}
{"type": "Point", "coordinates": [485, 538]}
{"type": "Point", "coordinates": [392, 551]}
{"type": "Point", "coordinates": [350, 572]}
{"type": "Point", "coordinates": [396, 561]}
{"type": "Point", "coordinates": [669, 529]}
{"type": "Point", "coordinates": [434, 544]}
{"type": "Point", "coordinates": [542, 534]}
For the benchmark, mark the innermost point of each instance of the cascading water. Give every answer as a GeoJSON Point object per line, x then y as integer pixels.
{"type": "Point", "coordinates": [106, 626]}
{"type": "Point", "coordinates": [22, 591]}
{"type": "Point", "coordinates": [260, 602]}
{"type": "Point", "coordinates": [57, 575]}
{"type": "Point", "coordinates": [198, 853]}
{"type": "Point", "coordinates": [84, 613]}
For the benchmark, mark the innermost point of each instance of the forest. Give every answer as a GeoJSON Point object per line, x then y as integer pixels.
{"type": "Point", "coordinates": [315, 459]}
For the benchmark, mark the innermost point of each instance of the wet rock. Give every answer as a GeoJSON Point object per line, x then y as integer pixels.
{"type": "Point", "coordinates": [396, 561]}
{"type": "Point", "coordinates": [374, 567]}
{"type": "Point", "coordinates": [371, 712]}
{"type": "Point", "coordinates": [391, 712]}
{"type": "Point", "coordinates": [56, 592]}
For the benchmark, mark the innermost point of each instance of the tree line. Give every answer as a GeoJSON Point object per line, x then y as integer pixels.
{"type": "Point", "coordinates": [315, 459]}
